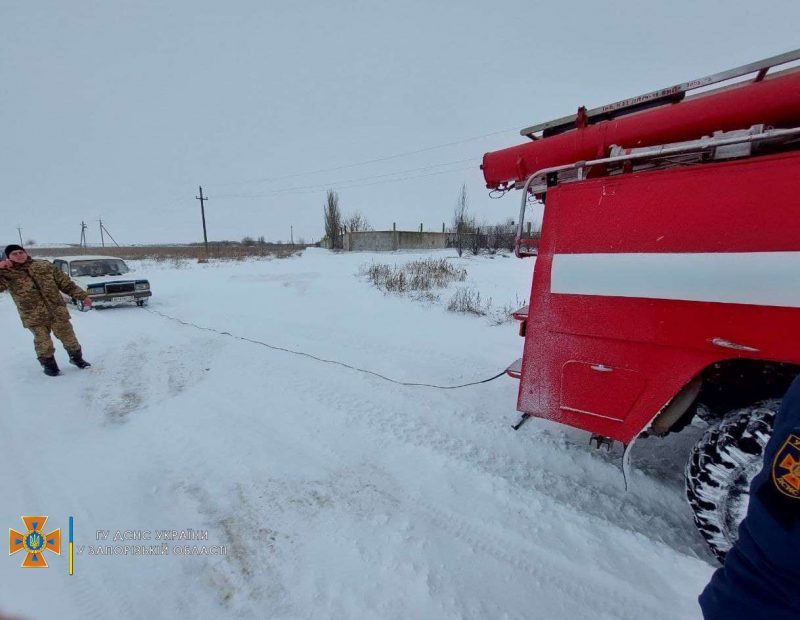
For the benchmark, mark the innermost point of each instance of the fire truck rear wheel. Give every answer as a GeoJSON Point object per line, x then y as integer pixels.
{"type": "Point", "coordinates": [720, 470]}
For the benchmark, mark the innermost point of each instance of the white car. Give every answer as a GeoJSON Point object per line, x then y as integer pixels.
{"type": "Point", "coordinates": [103, 278]}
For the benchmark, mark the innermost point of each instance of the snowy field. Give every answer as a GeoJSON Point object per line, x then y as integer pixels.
{"type": "Point", "coordinates": [334, 493]}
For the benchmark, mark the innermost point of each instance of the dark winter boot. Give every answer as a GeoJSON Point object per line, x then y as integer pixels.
{"type": "Point", "coordinates": [50, 367]}
{"type": "Point", "coordinates": [76, 359]}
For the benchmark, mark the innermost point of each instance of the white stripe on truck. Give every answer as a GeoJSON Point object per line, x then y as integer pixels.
{"type": "Point", "coordinates": [759, 278]}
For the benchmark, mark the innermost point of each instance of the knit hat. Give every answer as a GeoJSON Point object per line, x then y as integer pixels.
{"type": "Point", "coordinates": [13, 248]}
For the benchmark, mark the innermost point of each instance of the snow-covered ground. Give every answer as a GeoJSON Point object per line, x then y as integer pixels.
{"type": "Point", "coordinates": [335, 494]}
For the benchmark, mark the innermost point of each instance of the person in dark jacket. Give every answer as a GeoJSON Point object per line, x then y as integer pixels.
{"type": "Point", "coordinates": [36, 287]}
{"type": "Point", "coordinates": [761, 574]}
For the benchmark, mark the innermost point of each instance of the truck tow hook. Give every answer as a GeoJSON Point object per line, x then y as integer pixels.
{"type": "Point", "coordinates": [599, 442]}
{"type": "Point", "coordinates": [523, 418]}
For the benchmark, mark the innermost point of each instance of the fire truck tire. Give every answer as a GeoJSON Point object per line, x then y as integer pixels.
{"type": "Point", "coordinates": [722, 466]}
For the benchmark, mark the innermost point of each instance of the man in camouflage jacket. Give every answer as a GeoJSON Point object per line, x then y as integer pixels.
{"type": "Point", "coordinates": [36, 287]}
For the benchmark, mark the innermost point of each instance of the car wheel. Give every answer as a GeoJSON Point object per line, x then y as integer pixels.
{"type": "Point", "coordinates": [722, 466]}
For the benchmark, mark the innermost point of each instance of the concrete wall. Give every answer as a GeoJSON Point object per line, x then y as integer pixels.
{"type": "Point", "coordinates": [376, 241]}
{"type": "Point", "coordinates": [387, 240]}
{"type": "Point", "coordinates": [422, 240]}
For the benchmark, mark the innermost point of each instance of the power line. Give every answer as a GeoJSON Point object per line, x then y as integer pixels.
{"type": "Point", "coordinates": [315, 188]}
{"type": "Point", "coordinates": [369, 161]}
{"type": "Point", "coordinates": [177, 201]}
{"type": "Point", "coordinates": [408, 178]}
{"type": "Point", "coordinates": [335, 184]}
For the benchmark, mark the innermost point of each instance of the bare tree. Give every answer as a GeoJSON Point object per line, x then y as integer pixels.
{"type": "Point", "coordinates": [333, 220]}
{"type": "Point", "coordinates": [510, 234]}
{"type": "Point", "coordinates": [357, 222]}
{"type": "Point", "coordinates": [497, 236]}
{"type": "Point", "coordinates": [475, 240]}
{"type": "Point", "coordinates": [494, 236]}
{"type": "Point", "coordinates": [461, 220]}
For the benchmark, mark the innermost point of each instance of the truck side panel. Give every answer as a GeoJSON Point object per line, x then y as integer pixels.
{"type": "Point", "coordinates": [632, 296]}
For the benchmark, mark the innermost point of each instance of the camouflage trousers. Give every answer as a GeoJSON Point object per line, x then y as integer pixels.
{"type": "Point", "coordinates": [62, 330]}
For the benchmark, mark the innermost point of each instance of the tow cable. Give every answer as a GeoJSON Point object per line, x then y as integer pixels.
{"type": "Point", "coordinates": [320, 359]}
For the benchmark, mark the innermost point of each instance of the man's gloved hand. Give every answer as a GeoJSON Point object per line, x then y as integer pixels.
{"type": "Point", "coordinates": [87, 303]}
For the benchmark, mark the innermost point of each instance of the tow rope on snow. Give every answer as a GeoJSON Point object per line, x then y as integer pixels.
{"type": "Point", "coordinates": [320, 359]}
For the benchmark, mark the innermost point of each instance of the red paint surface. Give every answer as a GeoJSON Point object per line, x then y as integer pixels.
{"type": "Point", "coordinates": [653, 346]}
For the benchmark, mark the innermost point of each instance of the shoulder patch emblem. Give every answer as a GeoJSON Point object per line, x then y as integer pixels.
{"type": "Point", "coordinates": [786, 467]}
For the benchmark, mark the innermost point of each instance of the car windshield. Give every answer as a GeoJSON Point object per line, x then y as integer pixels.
{"type": "Point", "coordinates": [98, 267]}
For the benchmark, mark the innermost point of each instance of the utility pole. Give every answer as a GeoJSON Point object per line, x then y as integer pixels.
{"type": "Point", "coordinates": [83, 235]}
{"type": "Point", "coordinates": [103, 229]}
{"type": "Point", "coordinates": [19, 230]}
{"type": "Point", "coordinates": [102, 239]}
{"type": "Point", "coordinates": [291, 234]}
{"type": "Point", "coordinates": [202, 200]}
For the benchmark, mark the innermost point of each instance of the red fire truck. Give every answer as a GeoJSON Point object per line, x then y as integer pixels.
{"type": "Point", "coordinates": [667, 279]}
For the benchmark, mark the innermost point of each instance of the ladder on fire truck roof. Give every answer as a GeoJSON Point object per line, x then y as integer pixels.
{"type": "Point", "coordinates": [657, 97]}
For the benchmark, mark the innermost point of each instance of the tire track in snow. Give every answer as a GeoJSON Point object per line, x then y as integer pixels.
{"type": "Point", "coordinates": [578, 586]}
{"type": "Point", "coordinates": [12, 455]}
{"type": "Point", "coordinates": [582, 491]}
{"type": "Point", "coordinates": [134, 383]}
{"type": "Point", "coordinates": [83, 589]}
{"type": "Point", "coordinates": [589, 495]}
{"type": "Point", "coordinates": [547, 571]}
{"type": "Point", "coordinates": [239, 570]}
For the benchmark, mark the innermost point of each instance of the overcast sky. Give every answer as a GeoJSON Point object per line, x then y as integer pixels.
{"type": "Point", "coordinates": [120, 110]}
